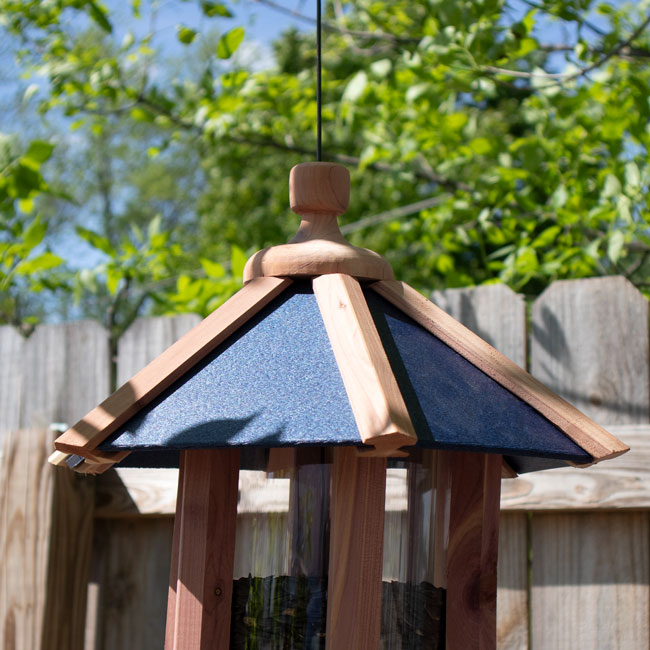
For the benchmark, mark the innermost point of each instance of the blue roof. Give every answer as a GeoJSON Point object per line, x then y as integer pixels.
{"type": "Point", "coordinates": [275, 382]}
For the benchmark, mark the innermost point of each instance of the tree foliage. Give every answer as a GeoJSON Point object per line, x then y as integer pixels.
{"type": "Point", "coordinates": [489, 141]}
{"type": "Point", "coordinates": [26, 264]}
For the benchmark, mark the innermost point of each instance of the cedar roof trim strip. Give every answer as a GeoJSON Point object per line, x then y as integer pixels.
{"type": "Point", "coordinates": [377, 403]}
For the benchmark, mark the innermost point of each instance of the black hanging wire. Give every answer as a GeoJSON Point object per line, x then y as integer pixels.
{"type": "Point", "coordinates": [319, 126]}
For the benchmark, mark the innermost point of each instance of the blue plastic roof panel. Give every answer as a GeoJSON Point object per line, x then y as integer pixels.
{"type": "Point", "coordinates": [273, 383]}
{"type": "Point", "coordinates": [454, 405]}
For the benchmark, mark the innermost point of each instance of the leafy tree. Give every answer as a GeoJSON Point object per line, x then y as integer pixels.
{"type": "Point", "coordinates": [489, 140]}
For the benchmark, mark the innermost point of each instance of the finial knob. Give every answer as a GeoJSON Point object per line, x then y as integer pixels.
{"type": "Point", "coordinates": [319, 192]}
{"type": "Point", "coordinates": [319, 187]}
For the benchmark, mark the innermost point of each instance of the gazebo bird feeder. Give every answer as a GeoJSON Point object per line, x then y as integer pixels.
{"type": "Point", "coordinates": [327, 369]}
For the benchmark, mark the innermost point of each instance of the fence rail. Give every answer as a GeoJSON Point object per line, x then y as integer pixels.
{"type": "Point", "coordinates": [84, 561]}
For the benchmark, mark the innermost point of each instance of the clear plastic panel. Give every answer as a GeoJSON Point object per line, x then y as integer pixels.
{"type": "Point", "coordinates": [280, 575]}
{"type": "Point", "coordinates": [415, 547]}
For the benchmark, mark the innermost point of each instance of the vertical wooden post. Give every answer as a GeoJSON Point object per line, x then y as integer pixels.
{"type": "Point", "coordinates": [473, 551]}
{"type": "Point", "coordinates": [440, 537]}
{"type": "Point", "coordinates": [356, 551]}
{"type": "Point", "coordinates": [206, 550]}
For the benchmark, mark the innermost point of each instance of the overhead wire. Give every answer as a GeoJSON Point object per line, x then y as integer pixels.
{"type": "Point", "coordinates": [319, 101]}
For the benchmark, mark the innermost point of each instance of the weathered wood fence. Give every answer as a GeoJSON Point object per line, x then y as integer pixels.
{"type": "Point", "coordinates": [84, 561]}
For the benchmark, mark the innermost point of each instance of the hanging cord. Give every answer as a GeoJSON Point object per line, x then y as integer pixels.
{"type": "Point", "coordinates": [319, 101]}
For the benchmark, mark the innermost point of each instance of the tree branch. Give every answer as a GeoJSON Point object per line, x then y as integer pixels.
{"type": "Point", "coordinates": [563, 77]}
{"type": "Point", "coordinates": [613, 52]}
{"type": "Point", "coordinates": [346, 159]}
{"type": "Point", "coordinates": [333, 27]}
{"type": "Point", "coordinates": [390, 215]}
{"type": "Point", "coordinates": [579, 19]}
{"type": "Point", "coordinates": [627, 52]}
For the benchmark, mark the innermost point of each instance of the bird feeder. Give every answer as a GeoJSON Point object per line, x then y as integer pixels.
{"type": "Point", "coordinates": [325, 370]}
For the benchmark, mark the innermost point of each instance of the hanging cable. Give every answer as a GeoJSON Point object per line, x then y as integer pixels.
{"type": "Point", "coordinates": [319, 126]}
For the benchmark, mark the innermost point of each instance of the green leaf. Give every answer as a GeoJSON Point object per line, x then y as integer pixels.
{"type": "Point", "coordinates": [98, 14]}
{"type": "Point", "coordinates": [26, 205]}
{"type": "Point", "coordinates": [416, 91]}
{"type": "Point", "coordinates": [455, 121]}
{"type": "Point", "coordinates": [381, 68]}
{"type": "Point", "coordinates": [212, 269]}
{"type": "Point", "coordinates": [185, 34]}
{"type": "Point", "coordinates": [113, 278]}
{"type": "Point", "coordinates": [238, 261]}
{"type": "Point", "coordinates": [632, 175]}
{"type": "Point", "coordinates": [154, 226]}
{"type": "Point", "coordinates": [546, 237]}
{"type": "Point", "coordinates": [211, 9]}
{"type": "Point", "coordinates": [480, 146]}
{"type": "Point", "coordinates": [96, 241]}
{"type": "Point", "coordinates": [559, 197]}
{"type": "Point", "coordinates": [526, 261]}
{"type": "Point", "coordinates": [615, 245]}
{"type": "Point", "coordinates": [27, 180]}
{"type": "Point", "coordinates": [612, 186]}
{"type": "Point", "coordinates": [355, 87]}
{"type": "Point", "coordinates": [229, 42]}
{"type": "Point", "coordinates": [592, 248]}
{"type": "Point", "coordinates": [38, 152]}
{"type": "Point", "coordinates": [31, 90]}
{"type": "Point", "coordinates": [87, 279]}
{"type": "Point", "coordinates": [34, 234]}
{"type": "Point", "coordinates": [140, 115]}
{"type": "Point", "coordinates": [41, 263]}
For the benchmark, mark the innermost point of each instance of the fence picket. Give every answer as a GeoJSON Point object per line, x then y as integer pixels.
{"type": "Point", "coordinates": [590, 573]}
{"type": "Point", "coordinates": [11, 378]}
{"type": "Point", "coordinates": [65, 373]}
{"type": "Point", "coordinates": [146, 339]}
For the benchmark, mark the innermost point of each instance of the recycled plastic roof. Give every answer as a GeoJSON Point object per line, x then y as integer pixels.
{"type": "Point", "coordinates": [276, 382]}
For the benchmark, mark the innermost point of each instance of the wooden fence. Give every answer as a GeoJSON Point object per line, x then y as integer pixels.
{"type": "Point", "coordinates": [84, 561]}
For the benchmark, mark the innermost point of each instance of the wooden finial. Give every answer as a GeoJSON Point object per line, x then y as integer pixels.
{"type": "Point", "coordinates": [319, 188]}
{"type": "Point", "coordinates": [319, 192]}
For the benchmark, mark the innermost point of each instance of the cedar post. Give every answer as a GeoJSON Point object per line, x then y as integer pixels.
{"type": "Point", "coordinates": [204, 551]}
{"type": "Point", "coordinates": [356, 551]}
{"type": "Point", "coordinates": [473, 550]}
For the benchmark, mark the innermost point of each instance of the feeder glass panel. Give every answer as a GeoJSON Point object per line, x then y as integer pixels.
{"type": "Point", "coordinates": [414, 561]}
{"type": "Point", "coordinates": [280, 574]}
